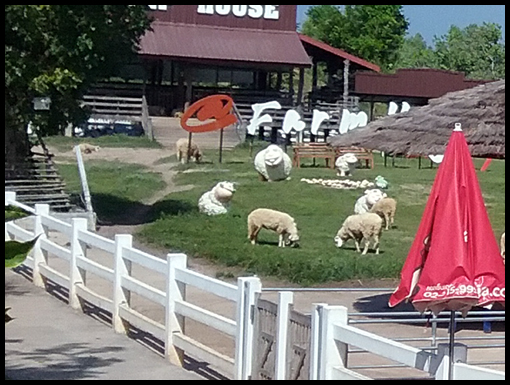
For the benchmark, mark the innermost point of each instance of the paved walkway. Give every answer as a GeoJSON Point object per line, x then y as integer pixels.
{"type": "Point", "coordinates": [48, 340]}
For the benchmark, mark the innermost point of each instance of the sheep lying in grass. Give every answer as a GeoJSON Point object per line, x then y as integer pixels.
{"type": "Point", "coordinates": [361, 227]}
{"type": "Point", "coordinates": [184, 152]}
{"type": "Point", "coordinates": [217, 200]}
{"type": "Point", "coordinates": [281, 223]}
{"type": "Point", "coordinates": [365, 203]}
{"type": "Point", "coordinates": [86, 148]}
{"type": "Point", "coordinates": [385, 208]}
{"type": "Point", "coordinates": [502, 246]}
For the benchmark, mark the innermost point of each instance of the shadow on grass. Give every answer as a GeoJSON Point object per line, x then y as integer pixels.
{"type": "Point", "coordinates": [111, 210]}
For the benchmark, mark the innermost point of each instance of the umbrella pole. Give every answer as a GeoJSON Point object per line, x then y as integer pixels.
{"type": "Point", "coordinates": [452, 345]}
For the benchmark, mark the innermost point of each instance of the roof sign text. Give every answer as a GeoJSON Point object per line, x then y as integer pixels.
{"type": "Point", "coordinates": [269, 12]}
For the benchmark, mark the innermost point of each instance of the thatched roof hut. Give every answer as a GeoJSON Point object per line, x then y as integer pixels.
{"type": "Point", "coordinates": [426, 130]}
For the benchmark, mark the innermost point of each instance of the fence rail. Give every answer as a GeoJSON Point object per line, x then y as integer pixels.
{"type": "Point", "coordinates": [315, 346]}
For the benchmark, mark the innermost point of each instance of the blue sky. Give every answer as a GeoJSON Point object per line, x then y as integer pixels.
{"type": "Point", "coordinates": [436, 20]}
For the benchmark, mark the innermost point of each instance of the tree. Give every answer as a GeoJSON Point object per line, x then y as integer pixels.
{"type": "Point", "coordinates": [476, 50]}
{"type": "Point", "coordinates": [58, 51]}
{"type": "Point", "coordinates": [415, 53]}
{"type": "Point", "coordinates": [373, 32]}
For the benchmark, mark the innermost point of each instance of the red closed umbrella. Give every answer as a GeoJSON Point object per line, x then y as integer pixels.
{"type": "Point", "coordinates": [454, 262]}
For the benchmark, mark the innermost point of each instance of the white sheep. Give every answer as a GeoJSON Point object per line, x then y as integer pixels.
{"type": "Point", "coordinates": [386, 209]}
{"type": "Point", "coordinates": [365, 203]}
{"type": "Point", "coordinates": [273, 164]}
{"type": "Point", "coordinates": [346, 164]}
{"type": "Point", "coordinates": [87, 148]}
{"type": "Point", "coordinates": [184, 152]}
{"type": "Point", "coordinates": [217, 200]}
{"type": "Point", "coordinates": [282, 223]}
{"type": "Point", "coordinates": [502, 246]}
{"type": "Point", "coordinates": [361, 227]}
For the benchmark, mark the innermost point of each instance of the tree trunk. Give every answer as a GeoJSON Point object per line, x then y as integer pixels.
{"type": "Point", "coordinates": [17, 150]}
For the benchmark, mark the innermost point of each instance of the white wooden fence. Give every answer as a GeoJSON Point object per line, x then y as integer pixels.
{"type": "Point", "coordinates": [178, 277]}
{"type": "Point", "coordinates": [331, 334]}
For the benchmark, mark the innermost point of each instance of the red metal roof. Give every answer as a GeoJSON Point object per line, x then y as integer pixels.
{"type": "Point", "coordinates": [207, 43]}
{"type": "Point", "coordinates": [413, 82]}
{"type": "Point", "coordinates": [338, 52]}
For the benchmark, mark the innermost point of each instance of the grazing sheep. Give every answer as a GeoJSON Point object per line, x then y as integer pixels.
{"type": "Point", "coordinates": [502, 246]}
{"type": "Point", "coordinates": [88, 148]}
{"type": "Point", "coordinates": [277, 221]}
{"type": "Point", "coordinates": [217, 200]}
{"type": "Point", "coordinates": [346, 164]}
{"type": "Point", "coordinates": [385, 208]}
{"type": "Point", "coordinates": [273, 164]}
{"type": "Point", "coordinates": [361, 227]}
{"type": "Point", "coordinates": [182, 148]}
{"type": "Point", "coordinates": [365, 203]}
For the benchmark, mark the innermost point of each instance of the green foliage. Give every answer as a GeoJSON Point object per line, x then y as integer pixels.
{"type": "Point", "coordinates": [59, 51]}
{"type": "Point", "coordinates": [12, 213]}
{"type": "Point", "coordinates": [416, 54]}
{"type": "Point", "coordinates": [372, 32]}
{"type": "Point", "coordinates": [16, 252]}
{"type": "Point", "coordinates": [476, 50]}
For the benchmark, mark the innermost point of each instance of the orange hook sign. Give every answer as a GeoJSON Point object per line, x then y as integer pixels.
{"type": "Point", "coordinates": [217, 107]}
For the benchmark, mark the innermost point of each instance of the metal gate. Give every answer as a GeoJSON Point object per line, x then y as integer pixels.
{"type": "Point", "coordinates": [297, 348]}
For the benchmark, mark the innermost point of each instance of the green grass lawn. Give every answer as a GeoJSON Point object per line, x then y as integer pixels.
{"type": "Point", "coordinates": [116, 188]}
{"type": "Point", "coordinates": [63, 143]}
{"type": "Point", "coordinates": [319, 212]}
{"type": "Point", "coordinates": [176, 225]}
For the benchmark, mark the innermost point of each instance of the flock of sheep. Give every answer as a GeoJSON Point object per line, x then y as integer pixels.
{"type": "Point", "coordinates": [373, 212]}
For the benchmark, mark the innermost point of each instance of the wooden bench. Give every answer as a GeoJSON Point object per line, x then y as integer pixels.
{"type": "Point", "coordinates": [314, 150]}
{"type": "Point", "coordinates": [361, 154]}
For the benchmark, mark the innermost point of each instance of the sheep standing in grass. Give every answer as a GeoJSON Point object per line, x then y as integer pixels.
{"type": "Point", "coordinates": [273, 164]}
{"type": "Point", "coordinates": [365, 203]}
{"type": "Point", "coordinates": [88, 148]}
{"type": "Point", "coordinates": [361, 227]}
{"type": "Point", "coordinates": [386, 209]}
{"type": "Point", "coordinates": [281, 223]}
{"type": "Point", "coordinates": [217, 200]}
{"type": "Point", "coordinates": [185, 152]}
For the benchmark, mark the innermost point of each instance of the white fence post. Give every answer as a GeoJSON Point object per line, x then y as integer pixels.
{"type": "Point", "coordinates": [10, 196]}
{"type": "Point", "coordinates": [175, 291]}
{"type": "Point", "coordinates": [40, 256]}
{"type": "Point", "coordinates": [75, 275]}
{"type": "Point", "coordinates": [316, 341]}
{"type": "Point", "coordinates": [122, 269]}
{"type": "Point", "coordinates": [285, 299]}
{"type": "Point", "coordinates": [326, 352]}
{"type": "Point", "coordinates": [248, 287]}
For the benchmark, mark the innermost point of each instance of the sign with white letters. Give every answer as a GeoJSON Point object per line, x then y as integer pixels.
{"type": "Point", "coordinates": [293, 120]}
{"type": "Point", "coordinates": [268, 12]}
